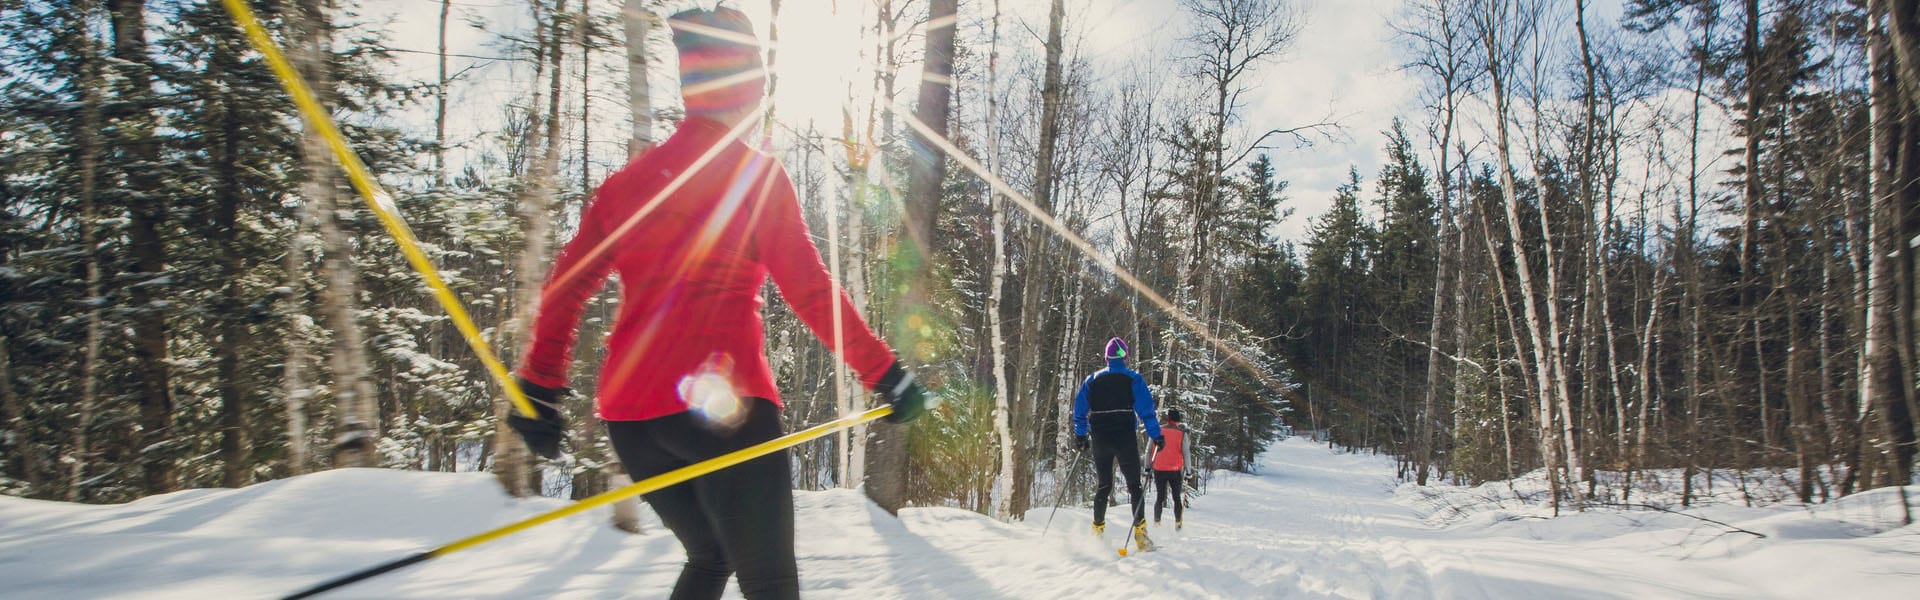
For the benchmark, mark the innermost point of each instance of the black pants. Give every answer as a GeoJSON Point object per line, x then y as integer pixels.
{"type": "Point", "coordinates": [1107, 450]}
{"type": "Point", "coordinates": [1161, 481]}
{"type": "Point", "coordinates": [736, 519]}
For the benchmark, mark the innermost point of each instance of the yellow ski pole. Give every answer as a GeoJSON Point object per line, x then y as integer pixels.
{"type": "Point", "coordinates": [376, 198]}
{"type": "Point", "coordinates": [645, 486]}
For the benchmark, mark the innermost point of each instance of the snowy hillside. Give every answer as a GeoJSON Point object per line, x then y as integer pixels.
{"type": "Point", "coordinates": [1313, 524]}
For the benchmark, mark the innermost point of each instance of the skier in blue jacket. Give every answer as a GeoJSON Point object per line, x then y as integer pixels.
{"type": "Point", "coordinates": [1110, 404]}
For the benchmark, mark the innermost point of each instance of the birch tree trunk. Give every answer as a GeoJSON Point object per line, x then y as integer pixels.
{"type": "Point", "coordinates": [87, 145]}
{"type": "Point", "coordinates": [440, 101]}
{"type": "Point", "coordinates": [514, 466]}
{"type": "Point", "coordinates": [1542, 355]}
{"type": "Point", "coordinates": [639, 20]}
{"type": "Point", "coordinates": [294, 379]}
{"type": "Point", "coordinates": [1002, 423]}
{"type": "Point", "coordinates": [1443, 59]}
{"type": "Point", "coordinates": [358, 421]}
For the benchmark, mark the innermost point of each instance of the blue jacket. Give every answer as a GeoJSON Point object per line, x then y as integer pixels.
{"type": "Point", "coordinates": [1106, 398]}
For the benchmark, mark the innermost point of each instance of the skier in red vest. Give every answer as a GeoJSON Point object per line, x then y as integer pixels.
{"type": "Point", "coordinates": [693, 227]}
{"type": "Point", "coordinates": [1169, 468]}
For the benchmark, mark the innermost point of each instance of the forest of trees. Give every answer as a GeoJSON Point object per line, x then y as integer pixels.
{"type": "Point", "coordinates": [1569, 271]}
{"type": "Point", "coordinates": [1679, 239]}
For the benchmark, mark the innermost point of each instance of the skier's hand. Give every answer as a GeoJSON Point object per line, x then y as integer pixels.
{"type": "Point", "coordinates": [542, 434]}
{"type": "Point", "coordinates": [1159, 443]}
{"type": "Point", "coordinates": [1080, 443]}
{"type": "Point", "coordinates": [901, 393]}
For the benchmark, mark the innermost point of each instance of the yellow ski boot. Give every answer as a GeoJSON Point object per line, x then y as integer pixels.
{"type": "Point", "coordinates": [1098, 529]}
{"type": "Point", "coordinates": [1140, 541]}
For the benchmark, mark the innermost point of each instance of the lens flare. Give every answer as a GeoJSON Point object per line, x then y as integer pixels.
{"type": "Point", "coordinates": [708, 394]}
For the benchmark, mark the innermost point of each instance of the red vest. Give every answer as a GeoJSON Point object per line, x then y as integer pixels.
{"type": "Point", "coordinates": [1172, 457]}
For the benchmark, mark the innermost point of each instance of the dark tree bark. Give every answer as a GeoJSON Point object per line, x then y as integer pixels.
{"type": "Point", "coordinates": [147, 209]}
{"type": "Point", "coordinates": [1888, 377]}
{"type": "Point", "coordinates": [235, 446]}
{"type": "Point", "coordinates": [886, 459]}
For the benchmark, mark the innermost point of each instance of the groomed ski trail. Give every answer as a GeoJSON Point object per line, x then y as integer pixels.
{"type": "Point", "coordinates": [1311, 523]}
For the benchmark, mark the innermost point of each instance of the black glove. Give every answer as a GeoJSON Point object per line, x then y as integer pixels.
{"type": "Point", "coordinates": [900, 391]}
{"type": "Point", "coordinates": [542, 434]}
{"type": "Point", "coordinates": [1159, 443]}
{"type": "Point", "coordinates": [1080, 443]}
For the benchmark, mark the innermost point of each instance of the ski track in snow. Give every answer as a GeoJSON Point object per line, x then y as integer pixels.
{"type": "Point", "coordinates": [1312, 523]}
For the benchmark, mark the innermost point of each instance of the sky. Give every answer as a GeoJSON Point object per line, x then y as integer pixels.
{"type": "Point", "coordinates": [1341, 65]}
{"type": "Point", "coordinates": [1344, 65]}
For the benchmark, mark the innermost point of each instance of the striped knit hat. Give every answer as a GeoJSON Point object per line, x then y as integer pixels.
{"type": "Point", "coordinates": [1116, 348]}
{"type": "Point", "coordinates": [720, 66]}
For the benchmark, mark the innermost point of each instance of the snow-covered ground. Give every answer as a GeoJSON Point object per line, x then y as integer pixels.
{"type": "Point", "coordinates": [1312, 524]}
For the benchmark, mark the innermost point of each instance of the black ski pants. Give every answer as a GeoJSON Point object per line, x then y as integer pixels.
{"type": "Point", "coordinates": [738, 519]}
{"type": "Point", "coordinates": [1161, 481]}
{"type": "Point", "coordinates": [1123, 449]}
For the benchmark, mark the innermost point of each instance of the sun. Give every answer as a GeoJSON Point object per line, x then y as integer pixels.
{"type": "Point", "coordinates": [822, 61]}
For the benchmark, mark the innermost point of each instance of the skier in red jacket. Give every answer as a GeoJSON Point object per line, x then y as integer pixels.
{"type": "Point", "coordinates": [693, 227]}
{"type": "Point", "coordinates": [1169, 463]}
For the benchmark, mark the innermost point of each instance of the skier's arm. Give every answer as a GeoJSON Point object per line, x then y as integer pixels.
{"type": "Point", "coordinates": [577, 275]}
{"type": "Point", "coordinates": [787, 250]}
{"type": "Point", "coordinates": [1080, 410]}
{"type": "Point", "coordinates": [1186, 449]}
{"type": "Point", "coordinates": [1143, 406]}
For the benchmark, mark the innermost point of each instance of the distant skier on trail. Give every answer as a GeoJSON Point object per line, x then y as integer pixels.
{"type": "Point", "coordinates": [1108, 407]}
{"type": "Point", "coordinates": [694, 226]}
{"type": "Point", "coordinates": [1169, 463]}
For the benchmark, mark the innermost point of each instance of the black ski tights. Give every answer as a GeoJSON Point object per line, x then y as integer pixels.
{"type": "Point", "coordinates": [1125, 450]}
{"type": "Point", "coordinates": [739, 518]}
{"type": "Point", "coordinates": [1161, 481]}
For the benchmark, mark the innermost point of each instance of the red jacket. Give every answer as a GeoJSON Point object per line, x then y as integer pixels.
{"type": "Point", "coordinates": [692, 253]}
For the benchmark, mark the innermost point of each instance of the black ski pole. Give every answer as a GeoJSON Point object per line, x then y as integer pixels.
{"type": "Point", "coordinates": [1057, 498]}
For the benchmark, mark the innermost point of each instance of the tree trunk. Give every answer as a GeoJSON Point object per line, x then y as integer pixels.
{"type": "Point", "coordinates": [294, 377]}
{"type": "Point", "coordinates": [87, 146]}
{"type": "Point", "coordinates": [887, 458]}
{"type": "Point", "coordinates": [1886, 383]}
{"type": "Point", "coordinates": [1002, 423]}
{"type": "Point", "coordinates": [1648, 344]}
{"type": "Point", "coordinates": [440, 103]}
{"type": "Point", "coordinates": [358, 429]}
{"type": "Point", "coordinates": [148, 213]}
{"type": "Point", "coordinates": [1033, 303]}
{"type": "Point", "coordinates": [851, 457]}
{"type": "Point", "coordinates": [1543, 356]}
{"type": "Point", "coordinates": [515, 467]}
{"type": "Point", "coordinates": [235, 443]}
{"type": "Point", "coordinates": [639, 96]}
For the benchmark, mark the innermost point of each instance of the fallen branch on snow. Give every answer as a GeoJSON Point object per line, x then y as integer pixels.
{"type": "Point", "coordinates": [1730, 528]}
